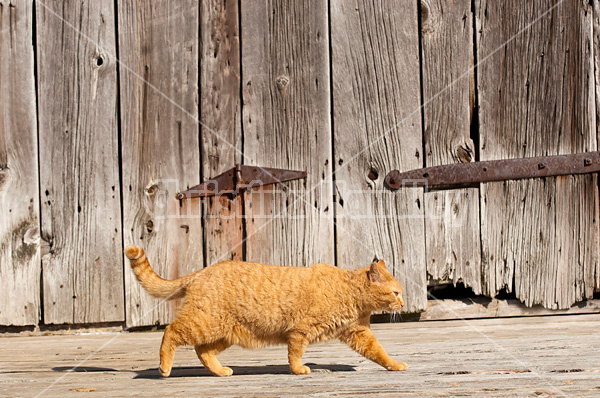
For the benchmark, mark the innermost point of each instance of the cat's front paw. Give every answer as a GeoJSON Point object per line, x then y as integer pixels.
{"type": "Point", "coordinates": [398, 366]}
{"type": "Point", "coordinates": [164, 373]}
{"type": "Point", "coordinates": [301, 370]}
{"type": "Point", "coordinates": [223, 372]}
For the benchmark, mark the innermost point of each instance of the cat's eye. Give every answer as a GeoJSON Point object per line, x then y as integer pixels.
{"type": "Point", "coordinates": [396, 293]}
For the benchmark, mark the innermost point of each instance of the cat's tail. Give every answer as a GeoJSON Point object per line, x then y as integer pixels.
{"type": "Point", "coordinates": [154, 284]}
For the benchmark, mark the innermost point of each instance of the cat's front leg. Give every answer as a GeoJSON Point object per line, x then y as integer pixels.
{"type": "Point", "coordinates": [296, 346]}
{"type": "Point", "coordinates": [207, 355]}
{"type": "Point", "coordinates": [364, 342]}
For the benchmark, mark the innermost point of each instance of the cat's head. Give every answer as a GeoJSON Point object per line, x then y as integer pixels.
{"type": "Point", "coordinates": [386, 291]}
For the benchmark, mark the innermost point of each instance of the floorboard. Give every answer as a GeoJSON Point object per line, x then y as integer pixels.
{"type": "Point", "coordinates": [546, 356]}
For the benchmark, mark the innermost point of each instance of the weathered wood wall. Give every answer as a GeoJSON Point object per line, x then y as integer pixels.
{"type": "Point", "coordinates": [131, 101]}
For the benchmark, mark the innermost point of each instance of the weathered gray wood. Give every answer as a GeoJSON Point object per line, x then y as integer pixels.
{"type": "Point", "coordinates": [536, 98]}
{"type": "Point", "coordinates": [596, 60]}
{"type": "Point", "coordinates": [377, 122]}
{"type": "Point", "coordinates": [510, 357]}
{"type": "Point", "coordinates": [79, 171]}
{"type": "Point", "coordinates": [158, 43]}
{"type": "Point", "coordinates": [451, 217]}
{"type": "Point", "coordinates": [287, 125]}
{"type": "Point", "coordinates": [481, 307]}
{"type": "Point", "coordinates": [221, 130]}
{"type": "Point", "coordinates": [19, 193]}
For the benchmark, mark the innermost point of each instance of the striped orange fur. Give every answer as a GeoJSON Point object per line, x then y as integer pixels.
{"type": "Point", "coordinates": [253, 305]}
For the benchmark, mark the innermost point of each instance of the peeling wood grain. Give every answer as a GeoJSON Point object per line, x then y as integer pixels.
{"type": "Point", "coordinates": [81, 215]}
{"type": "Point", "coordinates": [158, 42]}
{"type": "Point", "coordinates": [287, 125]}
{"type": "Point", "coordinates": [536, 95]}
{"type": "Point", "coordinates": [19, 193]}
{"type": "Point", "coordinates": [451, 217]}
{"type": "Point", "coordinates": [377, 121]}
{"type": "Point", "coordinates": [221, 130]}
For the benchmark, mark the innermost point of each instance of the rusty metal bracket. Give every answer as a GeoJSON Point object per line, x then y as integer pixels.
{"type": "Point", "coordinates": [464, 174]}
{"type": "Point", "coordinates": [239, 178]}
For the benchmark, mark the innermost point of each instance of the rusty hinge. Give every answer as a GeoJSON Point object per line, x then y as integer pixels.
{"type": "Point", "coordinates": [239, 178]}
{"type": "Point", "coordinates": [464, 174]}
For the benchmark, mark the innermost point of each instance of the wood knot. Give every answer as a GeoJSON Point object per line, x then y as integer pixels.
{"type": "Point", "coordinates": [151, 190]}
{"type": "Point", "coordinates": [149, 226]}
{"type": "Point", "coordinates": [426, 19]}
{"type": "Point", "coordinates": [373, 174]}
{"type": "Point", "coordinates": [282, 82]}
{"type": "Point", "coordinates": [99, 59]}
{"type": "Point", "coordinates": [3, 177]}
{"type": "Point", "coordinates": [464, 154]}
{"type": "Point", "coordinates": [32, 236]}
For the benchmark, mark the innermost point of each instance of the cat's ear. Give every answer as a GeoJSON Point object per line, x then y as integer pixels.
{"type": "Point", "coordinates": [375, 272]}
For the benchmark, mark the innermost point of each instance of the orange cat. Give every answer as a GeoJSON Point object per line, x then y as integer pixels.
{"type": "Point", "coordinates": [253, 305]}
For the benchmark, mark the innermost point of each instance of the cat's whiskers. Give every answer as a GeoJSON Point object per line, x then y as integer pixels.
{"type": "Point", "coordinates": [395, 316]}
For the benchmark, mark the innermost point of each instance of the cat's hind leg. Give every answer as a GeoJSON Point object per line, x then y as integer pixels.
{"type": "Point", "coordinates": [171, 339]}
{"type": "Point", "coordinates": [296, 346]}
{"type": "Point", "coordinates": [207, 355]}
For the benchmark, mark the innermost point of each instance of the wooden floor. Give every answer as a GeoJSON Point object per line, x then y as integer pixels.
{"type": "Point", "coordinates": [537, 357]}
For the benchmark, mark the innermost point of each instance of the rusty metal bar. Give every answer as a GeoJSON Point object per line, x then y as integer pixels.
{"type": "Point", "coordinates": [239, 178]}
{"type": "Point", "coordinates": [464, 174]}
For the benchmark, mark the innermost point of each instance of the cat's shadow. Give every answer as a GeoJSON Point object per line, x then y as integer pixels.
{"type": "Point", "coordinates": [199, 371]}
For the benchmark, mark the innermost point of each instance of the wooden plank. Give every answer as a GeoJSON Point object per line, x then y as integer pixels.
{"type": "Point", "coordinates": [451, 217]}
{"type": "Point", "coordinates": [536, 98]}
{"type": "Point", "coordinates": [596, 60]}
{"type": "Point", "coordinates": [158, 43]}
{"type": "Point", "coordinates": [19, 190]}
{"type": "Point", "coordinates": [287, 125]}
{"type": "Point", "coordinates": [221, 130]}
{"type": "Point", "coordinates": [79, 171]}
{"type": "Point", "coordinates": [492, 308]}
{"type": "Point", "coordinates": [377, 121]}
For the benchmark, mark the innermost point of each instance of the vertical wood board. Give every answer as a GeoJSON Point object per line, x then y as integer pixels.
{"type": "Point", "coordinates": [221, 127]}
{"type": "Point", "coordinates": [536, 95]}
{"type": "Point", "coordinates": [451, 217]}
{"type": "Point", "coordinates": [158, 43]}
{"type": "Point", "coordinates": [377, 128]}
{"type": "Point", "coordinates": [596, 66]}
{"type": "Point", "coordinates": [79, 171]}
{"type": "Point", "coordinates": [286, 124]}
{"type": "Point", "coordinates": [19, 192]}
